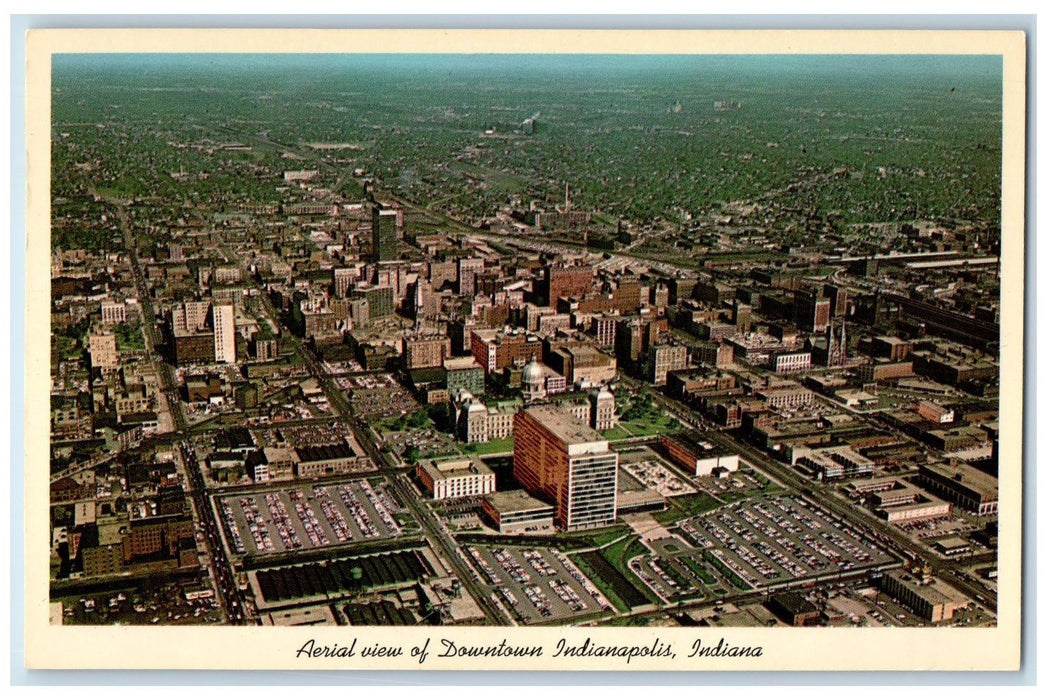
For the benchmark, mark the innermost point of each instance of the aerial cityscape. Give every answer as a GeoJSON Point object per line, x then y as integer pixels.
{"type": "Point", "coordinates": [516, 340]}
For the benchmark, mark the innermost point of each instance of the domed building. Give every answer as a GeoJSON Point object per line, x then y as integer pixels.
{"type": "Point", "coordinates": [601, 409]}
{"type": "Point", "coordinates": [533, 381]}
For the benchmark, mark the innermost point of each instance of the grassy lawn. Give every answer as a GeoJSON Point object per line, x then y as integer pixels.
{"type": "Point", "coordinates": [695, 504]}
{"type": "Point", "coordinates": [657, 425]}
{"type": "Point", "coordinates": [406, 520]}
{"type": "Point", "coordinates": [492, 447]}
{"type": "Point", "coordinates": [612, 562]}
{"type": "Point", "coordinates": [672, 514]}
{"type": "Point", "coordinates": [606, 588]}
{"type": "Point", "coordinates": [604, 537]}
{"type": "Point", "coordinates": [615, 553]}
{"type": "Point", "coordinates": [683, 507]}
{"type": "Point", "coordinates": [641, 417]}
{"type": "Point", "coordinates": [419, 420]}
{"type": "Point", "coordinates": [129, 337]}
{"type": "Point", "coordinates": [699, 570]}
{"type": "Point", "coordinates": [619, 554]}
{"type": "Point", "coordinates": [63, 347]}
{"type": "Point", "coordinates": [617, 433]}
{"type": "Point", "coordinates": [632, 621]}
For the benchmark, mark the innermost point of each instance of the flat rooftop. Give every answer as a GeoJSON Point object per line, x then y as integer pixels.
{"type": "Point", "coordinates": [699, 448]}
{"type": "Point", "coordinates": [587, 354]}
{"type": "Point", "coordinates": [565, 427]}
{"type": "Point", "coordinates": [515, 501]}
{"type": "Point", "coordinates": [458, 363]}
{"type": "Point", "coordinates": [453, 467]}
{"type": "Point", "coordinates": [899, 492]}
{"type": "Point", "coordinates": [322, 453]}
{"type": "Point", "coordinates": [952, 543]}
{"type": "Point", "coordinates": [928, 591]}
{"type": "Point", "coordinates": [968, 476]}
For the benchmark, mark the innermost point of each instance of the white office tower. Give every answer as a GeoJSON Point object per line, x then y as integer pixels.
{"type": "Point", "coordinates": [224, 334]}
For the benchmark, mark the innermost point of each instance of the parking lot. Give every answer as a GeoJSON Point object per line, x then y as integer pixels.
{"type": "Point", "coordinates": [342, 367]}
{"type": "Point", "coordinates": [775, 540]}
{"type": "Point", "coordinates": [677, 572]}
{"type": "Point", "coordinates": [308, 517]}
{"type": "Point", "coordinates": [429, 442]}
{"type": "Point", "coordinates": [537, 584]}
{"type": "Point", "coordinates": [932, 528]}
{"type": "Point", "coordinates": [146, 604]}
{"type": "Point", "coordinates": [377, 395]}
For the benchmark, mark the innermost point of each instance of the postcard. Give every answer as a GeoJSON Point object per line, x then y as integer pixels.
{"type": "Point", "coordinates": [524, 350]}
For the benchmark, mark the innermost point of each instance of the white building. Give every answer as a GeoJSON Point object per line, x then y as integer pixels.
{"type": "Point", "coordinates": [455, 478]}
{"type": "Point", "coordinates": [788, 362]}
{"type": "Point", "coordinates": [224, 334]}
{"type": "Point", "coordinates": [113, 312]}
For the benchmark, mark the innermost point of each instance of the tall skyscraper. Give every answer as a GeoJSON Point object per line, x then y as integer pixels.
{"type": "Point", "coordinates": [383, 233]}
{"type": "Point", "coordinates": [812, 311]}
{"type": "Point", "coordinates": [569, 463]}
{"type": "Point", "coordinates": [629, 339]}
{"type": "Point", "coordinates": [822, 314]}
{"type": "Point", "coordinates": [224, 334]}
{"type": "Point", "coordinates": [838, 298]}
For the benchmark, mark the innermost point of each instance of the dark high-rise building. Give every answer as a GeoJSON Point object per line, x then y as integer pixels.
{"type": "Point", "coordinates": [743, 316]}
{"type": "Point", "coordinates": [194, 348]}
{"type": "Point", "coordinates": [812, 312]}
{"type": "Point", "coordinates": [383, 233]}
{"type": "Point", "coordinates": [629, 339]}
{"type": "Point", "coordinates": [837, 299]}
